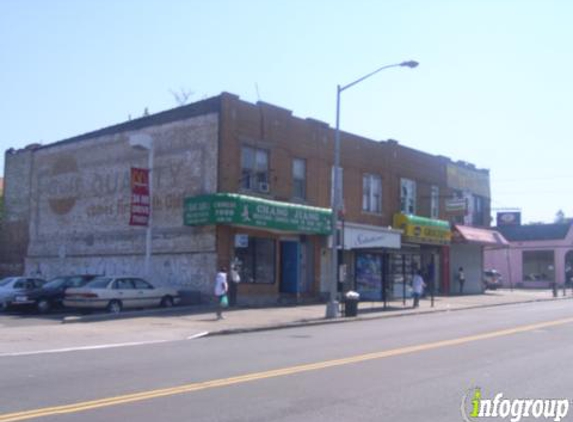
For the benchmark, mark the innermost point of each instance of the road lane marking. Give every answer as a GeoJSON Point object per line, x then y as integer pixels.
{"type": "Point", "coordinates": [224, 382]}
{"type": "Point", "coordinates": [98, 346]}
{"type": "Point", "coordinates": [82, 348]}
{"type": "Point", "coordinates": [198, 335]}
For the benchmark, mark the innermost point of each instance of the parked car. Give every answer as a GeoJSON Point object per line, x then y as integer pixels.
{"type": "Point", "coordinates": [117, 293]}
{"type": "Point", "coordinates": [51, 294]}
{"type": "Point", "coordinates": [491, 279]}
{"type": "Point", "coordinates": [14, 287]}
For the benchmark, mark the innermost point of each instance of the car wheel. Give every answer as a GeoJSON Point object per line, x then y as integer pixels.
{"type": "Point", "coordinates": [43, 305]}
{"type": "Point", "coordinates": [114, 307]}
{"type": "Point", "coordinates": [167, 302]}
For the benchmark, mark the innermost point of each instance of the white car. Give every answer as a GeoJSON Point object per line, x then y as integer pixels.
{"type": "Point", "coordinates": [117, 293]}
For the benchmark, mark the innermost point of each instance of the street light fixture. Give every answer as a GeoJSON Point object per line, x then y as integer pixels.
{"type": "Point", "coordinates": [332, 305]}
{"type": "Point", "coordinates": [144, 142]}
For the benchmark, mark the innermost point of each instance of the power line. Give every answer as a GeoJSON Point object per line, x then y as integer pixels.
{"type": "Point", "coordinates": [523, 179]}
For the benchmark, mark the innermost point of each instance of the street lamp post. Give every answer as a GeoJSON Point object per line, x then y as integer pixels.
{"type": "Point", "coordinates": [144, 142]}
{"type": "Point", "coordinates": [332, 305]}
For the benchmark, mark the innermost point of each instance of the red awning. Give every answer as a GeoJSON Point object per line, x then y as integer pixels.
{"type": "Point", "coordinates": [466, 234]}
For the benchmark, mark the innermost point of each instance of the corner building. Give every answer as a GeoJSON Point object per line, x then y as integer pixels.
{"type": "Point", "coordinates": [237, 183]}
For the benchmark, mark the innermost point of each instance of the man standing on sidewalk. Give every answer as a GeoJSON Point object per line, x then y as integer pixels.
{"type": "Point", "coordinates": [418, 288]}
{"type": "Point", "coordinates": [461, 279]}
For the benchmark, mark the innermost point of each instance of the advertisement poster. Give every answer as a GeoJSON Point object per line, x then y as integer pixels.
{"type": "Point", "coordinates": [369, 276]}
{"type": "Point", "coordinates": [139, 213]}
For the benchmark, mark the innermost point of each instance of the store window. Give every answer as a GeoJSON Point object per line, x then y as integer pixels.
{"type": "Point", "coordinates": [408, 196]}
{"type": "Point", "coordinates": [435, 202]}
{"type": "Point", "coordinates": [372, 193]}
{"type": "Point", "coordinates": [299, 178]}
{"type": "Point", "coordinates": [538, 266]}
{"type": "Point", "coordinates": [255, 169]}
{"type": "Point", "coordinates": [257, 260]}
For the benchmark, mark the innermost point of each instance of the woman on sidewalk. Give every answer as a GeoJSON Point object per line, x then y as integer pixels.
{"type": "Point", "coordinates": [221, 288]}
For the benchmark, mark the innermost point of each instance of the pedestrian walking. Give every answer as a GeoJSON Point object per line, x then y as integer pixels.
{"type": "Point", "coordinates": [418, 286]}
{"type": "Point", "coordinates": [461, 279]}
{"type": "Point", "coordinates": [221, 289]}
{"type": "Point", "coordinates": [235, 279]}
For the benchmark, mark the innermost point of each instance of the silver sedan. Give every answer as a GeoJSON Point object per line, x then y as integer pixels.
{"type": "Point", "coordinates": [11, 288]}
{"type": "Point", "coordinates": [117, 293]}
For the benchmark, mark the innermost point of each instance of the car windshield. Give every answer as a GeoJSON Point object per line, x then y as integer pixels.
{"type": "Point", "coordinates": [98, 283]}
{"type": "Point", "coordinates": [6, 281]}
{"type": "Point", "coordinates": [55, 283]}
{"type": "Point", "coordinates": [70, 281]}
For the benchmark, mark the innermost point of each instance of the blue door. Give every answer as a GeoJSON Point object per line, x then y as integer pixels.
{"type": "Point", "coordinates": [290, 266]}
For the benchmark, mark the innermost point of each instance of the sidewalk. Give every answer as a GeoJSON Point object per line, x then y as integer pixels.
{"type": "Point", "coordinates": [189, 322]}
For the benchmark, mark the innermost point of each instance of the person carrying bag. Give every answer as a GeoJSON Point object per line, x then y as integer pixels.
{"type": "Point", "coordinates": [221, 289]}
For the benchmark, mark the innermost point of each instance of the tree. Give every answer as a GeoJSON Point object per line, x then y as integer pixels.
{"type": "Point", "coordinates": [560, 217]}
{"type": "Point", "coordinates": [182, 96]}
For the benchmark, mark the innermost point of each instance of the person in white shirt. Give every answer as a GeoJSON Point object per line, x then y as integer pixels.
{"type": "Point", "coordinates": [418, 286]}
{"type": "Point", "coordinates": [234, 278]}
{"type": "Point", "coordinates": [461, 279]}
{"type": "Point", "coordinates": [221, 288]}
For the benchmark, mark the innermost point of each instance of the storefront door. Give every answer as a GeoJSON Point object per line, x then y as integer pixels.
{"type": "Point", "coordinates": [290, 267]}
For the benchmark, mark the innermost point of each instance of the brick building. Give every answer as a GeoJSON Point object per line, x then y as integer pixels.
{"type": "Point", "coordinates": [263, 179]}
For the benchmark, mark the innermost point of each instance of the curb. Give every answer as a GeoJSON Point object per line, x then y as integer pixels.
{"type": "Point", "coordinates": [194, 309]}
{"type": "Point", "coordinates": [324, 321]}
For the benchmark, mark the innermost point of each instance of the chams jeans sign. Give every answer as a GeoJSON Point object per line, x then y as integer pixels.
{"type": "Point", "coordinates": [228, 208]}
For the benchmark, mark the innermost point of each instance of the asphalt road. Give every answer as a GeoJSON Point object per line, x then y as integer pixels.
{"type": "Point", "coordinates": [415, 368]}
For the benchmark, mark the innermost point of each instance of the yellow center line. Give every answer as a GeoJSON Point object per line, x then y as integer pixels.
{"type": "Point", "coordinates": [224, 382]}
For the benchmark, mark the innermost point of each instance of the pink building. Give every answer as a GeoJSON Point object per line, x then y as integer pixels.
{"type": "Point", "coordinates": [538, 255]}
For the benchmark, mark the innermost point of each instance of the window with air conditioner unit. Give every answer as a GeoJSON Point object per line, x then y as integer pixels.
{"type": "Point", "coordinates": [255, 169]}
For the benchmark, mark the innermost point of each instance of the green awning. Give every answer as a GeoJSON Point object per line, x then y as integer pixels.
{"type": "Point", "coordinates": [243, 210]}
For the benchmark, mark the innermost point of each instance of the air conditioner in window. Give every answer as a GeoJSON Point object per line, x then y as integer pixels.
{"type": "Point", "coordinates": [264, 187]}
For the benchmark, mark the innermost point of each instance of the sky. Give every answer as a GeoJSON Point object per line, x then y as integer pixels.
{"type": "Point", "coordinates": [494, 86]}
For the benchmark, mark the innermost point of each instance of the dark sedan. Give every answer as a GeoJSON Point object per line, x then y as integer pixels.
{"type": "Point", "coordinates": [51, 294]}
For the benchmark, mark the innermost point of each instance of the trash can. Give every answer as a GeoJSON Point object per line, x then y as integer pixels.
{"type": "Point", "coordinates": [351, 300]}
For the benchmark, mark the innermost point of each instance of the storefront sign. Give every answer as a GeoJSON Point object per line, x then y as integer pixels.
{"type": "Point", "coordinates": [457, 205]}
{"type": "Point", "coordinates": [467, 179]}
{"type": "Point", "coordinates": [228, 208]}
{"type": "Point", "coordinates": [509, 218]}
{"type": "Point", "coordinates": [423, 230]}
{"type": "Point", "coordinates": [139, 213]}
{"type": "Point", "coordinates": [361, 237]}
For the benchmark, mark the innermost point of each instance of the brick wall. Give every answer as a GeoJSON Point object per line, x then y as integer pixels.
{"type": "Point", "coordinates": [79, 202]}
{"type": "Point", "coordinates": [14, 236]}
